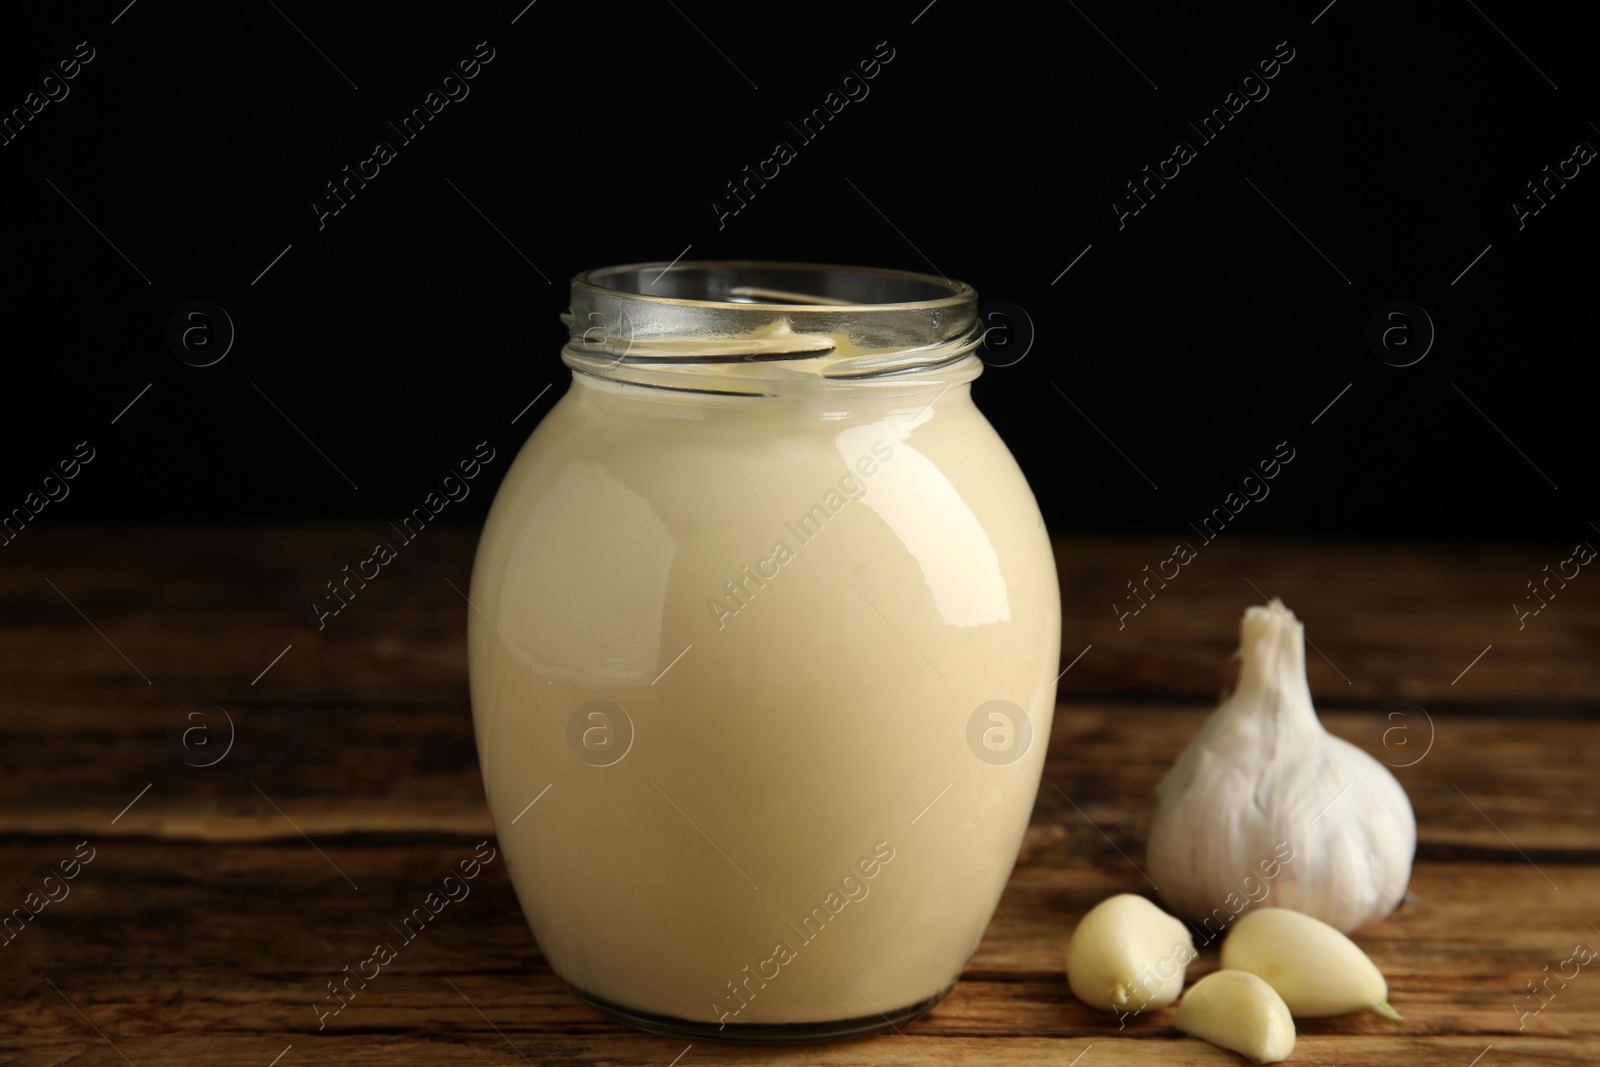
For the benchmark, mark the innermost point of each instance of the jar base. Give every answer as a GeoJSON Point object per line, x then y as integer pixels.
{"type": "Point", "coordinates": [762, 1033]}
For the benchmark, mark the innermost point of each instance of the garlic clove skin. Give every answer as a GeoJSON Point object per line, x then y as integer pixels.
{"type": "Point", "coordinates": [1266, 808]}
{"type": "Point", "coordinates": [1317, 970]}
{"type": "Point", "coordinates": [1238, 1011]}
{"type": "Point", "coordinates": [1127, 955]}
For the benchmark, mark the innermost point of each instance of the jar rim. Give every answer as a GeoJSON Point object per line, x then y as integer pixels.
{"type": "Point", "coordinates": [712, 278]}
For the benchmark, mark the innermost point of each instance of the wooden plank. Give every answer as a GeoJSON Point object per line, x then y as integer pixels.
{"type": "Point", "coordinates": [1487, 785]}
{"type": "Point", "coordinates": [219, 948]}
{"type": "Point", "coordinates": [1393, 622]}
{"type": "Point", "coordinates": [201, 612]}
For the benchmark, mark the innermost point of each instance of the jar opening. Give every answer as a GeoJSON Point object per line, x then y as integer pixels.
{"type": "Point", "coordinates": [758, 328]}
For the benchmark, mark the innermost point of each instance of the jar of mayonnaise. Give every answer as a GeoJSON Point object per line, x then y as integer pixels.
{"type": "Point", "coordinates": [763, 639]}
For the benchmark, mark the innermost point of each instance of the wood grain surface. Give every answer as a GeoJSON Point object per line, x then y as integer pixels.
{"type": "Point", "coordinates": [220, 899]}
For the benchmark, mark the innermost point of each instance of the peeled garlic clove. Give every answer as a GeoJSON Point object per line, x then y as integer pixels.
{"type": "Point", "coordinates": [1127, 955]}
{"type": "Point", "coordinates": [1266, 808]}
{"type": "Point", "coordinates": [1316, 969]}
{"type": "Point", "coordinates": [1239, 1012]}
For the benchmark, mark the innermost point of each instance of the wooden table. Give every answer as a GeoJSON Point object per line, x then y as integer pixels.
{"type": "Point", "coordinates": [206, 922]}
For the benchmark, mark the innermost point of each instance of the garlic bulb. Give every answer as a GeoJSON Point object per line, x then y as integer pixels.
{"type": "Point", "coordinates": [1238, 1011]}
{"type": "Point", "coordinates": [1316, 969]}
{"type": "Point", "coordinates": [1265, 807]}
{"type": "Point", "coordinates": [1127, 956]}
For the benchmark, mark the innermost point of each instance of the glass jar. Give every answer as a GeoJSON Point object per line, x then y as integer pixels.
{"type": "Point", "coordinates": [763, 643]}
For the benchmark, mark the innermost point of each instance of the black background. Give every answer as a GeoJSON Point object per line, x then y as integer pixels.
{"type": "Point", "coordinates": [1195, 338]}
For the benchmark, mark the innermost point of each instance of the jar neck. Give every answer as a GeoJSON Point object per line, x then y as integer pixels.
{"type": "Point", "coordinates": [763, 329]}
